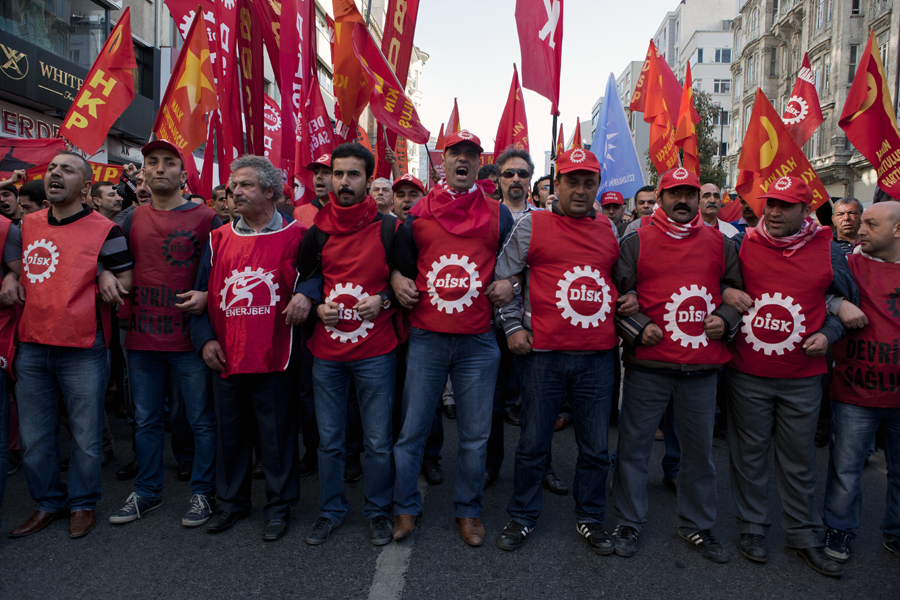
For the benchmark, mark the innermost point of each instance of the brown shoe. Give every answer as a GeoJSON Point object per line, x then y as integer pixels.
{"type": "Point", "coordinates": [81, 522]}
{"type": "Point", "coordinates": [472, 531]}
{"type": "Point", "coordinates": [404, 525]}
{"type": "Point", "coordinates": [35, 522]}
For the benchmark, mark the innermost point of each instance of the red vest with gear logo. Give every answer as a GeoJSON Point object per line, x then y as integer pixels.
{"type": "Point", "coordinates": [59, 272]}
{"type": "Point", "coordinates": [251, 283]}
{"type": "Point", "coordinates": [788, 306]}
{"type": "Point", "coordinates": [573, 299]}
{"type": "Point", "coordinates": [166, 246]}
{"type": "Point", "coordinates": [354, 267]}
{"type": "Point", "coordinates": [678, 285]}
{"type": "Point", "coordinates": [867, 361]}
{"type": "Point", "coordinates": [8, 316]}
{"type": "Point", "coordinates": [453, 273]}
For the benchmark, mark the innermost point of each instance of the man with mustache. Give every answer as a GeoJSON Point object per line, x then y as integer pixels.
{"type": "Point", "coordinates": [748, 218]}
{"type": "Point", "coordinates": [710, 204]}
{"type": "Point", "coordinates": [220, 202]}
{"type": "Point", "coordinates": [106, 199]}
{"type": "Point", "coordinates": [383, 194]}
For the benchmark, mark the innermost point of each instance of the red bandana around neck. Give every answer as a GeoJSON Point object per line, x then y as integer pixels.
{"type": "Point", "coordinates": [335, 219]}
{"type": "Point", "coordinates": [461, 213]}
{"type": "Point", "coordinates": [790, 243]}
{"type": "Point", "coordinates": [676, 230]}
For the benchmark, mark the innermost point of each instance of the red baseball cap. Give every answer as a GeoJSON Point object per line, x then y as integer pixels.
{"type": "Point", "coordinates": [407, 178]}
{"type": "Point", "coordinates": [789, 189]}
{"type": "Point", "coordinates": [461, 136]}
{"type": "Point", "coordinates": [164, 145]}
{"type": "Point", "coordinates": [612, 198]}
{"type": "Point", "coordinates": [677, 177]}
{"type": "Point", "coordinates": [577, 159]}
{"type": "Point", "coordinates": [324, 160]}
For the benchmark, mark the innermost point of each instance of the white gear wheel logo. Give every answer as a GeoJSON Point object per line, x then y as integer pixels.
{"type": "Point", "coordinates": [229, 4]}
{"type": "Point", "coordinates": [243, 293]}
{"type": "Point", "coordinates": [680, 173]}
{"type": "Point", "coordinates": [54, 260]}
{"type": "Point", "coordinates": [804, 110]}
{"type": "Point", "coordinates": [577, 155]}
{"type": "Point", "coordinates": [562, 294]}
{"type": "Point", "coordinates": [4, 364]}
{"type": "Point", "coordinates": [797, 330]}
{"type": "Point", "coordinates": [448, 306]}
{"type": "Point", "coordinates": [464, 134]}
{"type": "Point", "coordinates": [274, 114]}
{"type": "Point", "coordinates": [783, 184]}
{"type": "Point", "coordinates": [694, 341]}
{"type": "Point", "coordinates": [348, 289]}
{"type": "Point", "coordinates": [186, 23]}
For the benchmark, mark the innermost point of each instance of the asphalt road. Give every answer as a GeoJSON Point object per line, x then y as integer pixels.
{"type": "Point", "coordinates": [156, 558]}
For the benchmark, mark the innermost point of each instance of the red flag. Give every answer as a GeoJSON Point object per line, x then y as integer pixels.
{"type": "Point", "coordinates": [298, 31]}
{"type": "Point", "coordinates": [560, 141]}
{"type": "Point", "coordinates": [206, 175]}
{"type": "Point", "coordinates": [363, 138]}
{"type": "Point", "coordinates": [100, 171]}
{"type": "Point", "coordinates": [769, 153]}
{"type": "Point", "coordinates": [439, 144]}
{"type": "Point", "coordinates": [106, 92]}
{"type": "Point", "coordinates": [671, 89]}
{"type": "Point", "coordinates": [730, 211]}
{"type": "Point", "coordinates": [388, 100]}
{"type": "Point", "coordinates": [229, 134]}
{"type": "Point", "coordinates": [453, 125]}
{"type": "Point", "coordinates": [402, 159]}
{"type": "Point", "coordinates": [870, 123]}
{"type": "Point", "coordinates": [397, 43]}
{"type": "Point", "coordinates": [803, 115]}
{"type": "Point", "coordinates": [540, 26]}
{"type": "Point", "coordinates": [663, 153]}
{"type": "Point", "coordinates": [273, 125]}
{"type": "Point", "coordinates": [250, 48]}
{"type": "Point", "coordinates": [382, 166]}
{"type": "Point", "coordinates": [686, 134]}
{"type": "Point", "coordinates": [321, 135]}
{"type": "Point", "coordinates": [190, 95]}
{"type": "Point", "coordinates": [576, 138]}
{"type": "Point", "coordinates": [513, 128]}
{"type": "Point", "coordinates": [350, 87]}
{"type": "Point", "coordinates": [266, 13]}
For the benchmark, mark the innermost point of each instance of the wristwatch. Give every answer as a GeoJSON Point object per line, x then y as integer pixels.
{"type": "Point", "coordinates": [385, 301]}
{"type": "Point", "coordinates": [517, 289]}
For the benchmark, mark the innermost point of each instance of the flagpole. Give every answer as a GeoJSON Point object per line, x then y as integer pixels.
{"type": "Point", "coordinates": [552, 154]}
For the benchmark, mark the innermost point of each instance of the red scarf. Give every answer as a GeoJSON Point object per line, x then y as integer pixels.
{"type": "Point", "coordinates": [335, 219]}
{"type": "Point", "coordinates": [461, 213]}
{"type": "Point", "coordinates": [675, 230]}
{"type": "Point", "coordinates": [790, 243]}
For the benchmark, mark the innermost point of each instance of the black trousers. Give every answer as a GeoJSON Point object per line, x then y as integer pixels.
{"type": "Point", "coordinates": [267, 396]}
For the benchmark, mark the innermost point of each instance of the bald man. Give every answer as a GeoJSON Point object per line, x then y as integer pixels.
{"type": "Point", "coordinates": [383, 194]}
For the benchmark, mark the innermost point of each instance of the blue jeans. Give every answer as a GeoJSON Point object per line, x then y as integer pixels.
{"type": "Point", "coordinates": [471, 361]}
{"type": "Point", "coordinates": [586, 381]}
{"type": "Point", "coordinates": [4, 435]}
{"type": "Point", "coordinates": [854, 430]}
{"type": "Point", "coordinates": [148, 388]}
{"type": "Point", "coordinates": [374, 379]}
{"type": "Point", "coordinates": [81, 375]}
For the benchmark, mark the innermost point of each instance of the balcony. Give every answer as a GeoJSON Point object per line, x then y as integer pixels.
{"type": "Point", "coordinates": [878, 8]}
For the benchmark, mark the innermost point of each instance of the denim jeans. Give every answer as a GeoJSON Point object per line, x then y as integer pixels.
{"type": "Point", "coordinates": [471, 362]}
{"type": "Point", "coordinates": [81, 375]}
{"type": "Point", "coordinates": [190, 376]}
{"type": "Point", "coordinates": [547, 378]}
{"type": "Point", "coordinates": [374, 378]}
{"type": "Point", "coordinates": [854, 430]}
{"type": "Point", "coordinates": [4, 435]}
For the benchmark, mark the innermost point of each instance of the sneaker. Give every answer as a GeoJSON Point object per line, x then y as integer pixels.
{"type": "Point", "coordinates": [892, 546]}
{"type": "Point", "coordinates": [380, 531]}
{"type": "Point", "coordinates": [597, 538]}
{"type": "Point", "coordinates": [134, 509]}
{"type": "Point", "coordinates": [624, 538]}
{"type": "Point", "coordinates": [14, 461]}
{"type": "Point", "coordinates": [199, 512]}
{"type": "Point", "coordinates": [708, 545]}
{"type": "Point", "coordinates": [319, 532]}
{"type": "Point", "coordinates": [513, 536]}
{"type": "Point", "coordinates": [837, 545]}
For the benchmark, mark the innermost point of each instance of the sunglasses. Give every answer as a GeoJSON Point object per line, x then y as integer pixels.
{"type": "Point", "coordinates": [510, 173]}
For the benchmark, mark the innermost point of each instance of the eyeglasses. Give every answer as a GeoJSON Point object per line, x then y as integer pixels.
{"type": "Point", "coordinates": [545, 187]}
{"type": "Point", "coordinates": [510, 173]}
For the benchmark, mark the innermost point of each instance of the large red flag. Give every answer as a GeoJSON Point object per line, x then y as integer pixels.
{"type": "Point", "coordinates": [686, 133]}
{"type": "Point", "coordinates": [18, 153]}
{"type": "Point", "coordinates": [106, 92]}
{"type": "Point", "coordinates": [190, 95]}
{"type": "Point", "coordinates": [576, 137]}
{"type": "Point", "coordinates": [273, 126]}
{"type": "Point", "coordinates": [397, 43]}
{"type": "Point", "coordinates": [229, 134]}
{"type": "Point", "coordinates": [540, 26]}
{"type": "Point", "coordinates": [870, 123]}
{"type": "Point", "coordinates": [671, 89]}
{"type": "Point", "coordinates": [513, 128]}
{"type": "Point", "coordinates": [803, 115]}
{"type": "Point", "coordinates": [769, 153]}
{"type": "Point", "coordinates": [250, 48]}
{"type": "Point", "coordinates": [663, 153]}
{"type": "Point", "coordinates": [350, 87]}
{"type": "Point", "coordinates": [321, 134]}
{"type": "Point", "coordinates": [297, 34]}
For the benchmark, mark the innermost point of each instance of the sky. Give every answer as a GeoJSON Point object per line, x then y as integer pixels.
{"type": "Point", "coordinates": [473, 44]}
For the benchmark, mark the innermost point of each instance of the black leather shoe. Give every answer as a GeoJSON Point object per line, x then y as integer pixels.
{"type": "Point", "coordinates": [489, 479]}
{"type": "Point", "coordinates": [753, 547]}
{"type": "Point", "coordinates": [184, 470]}
{"type": "Point", "coordinates": [552, 483]}
{"type": "Point", "coordinates": [449, 410]}
{"type": "Point", "coordinates": [433, 474]}
{"type": "Point", "coordinates": [275, 529]}
{"type": "Point", "coordinates": [819, 561]}
{"type": "Point", "coordinates": [511, 416]}
{"type": "Point", "coordinates": [222, 520]}
{"type": "Point", "coordinates": [127, 472]}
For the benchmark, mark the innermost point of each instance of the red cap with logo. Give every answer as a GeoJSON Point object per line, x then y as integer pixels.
{"type": "Point", "coordinates": [677, 177]}
{"type": "Point", "coordinates": [164, 145]}
{"type": "Point", "coordinates": [789, 189]}
{"type": "Point", "coordinates": [324, 160]}
{"type": "Point", "coordinates": [577, 159]}
{"type": "Point", "coordinates": [461, 136]}
{"type": "Point", "coordinates": [612, 198]}
{"type": "Point", "coordinates": [409, 179]}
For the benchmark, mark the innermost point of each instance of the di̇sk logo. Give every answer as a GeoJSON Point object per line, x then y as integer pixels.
{"type": "Point", "coordinates": [453, 283]}
{"type": "Point", "coordinates": [774, 324]}
{"type": "Point", "coordinates": [181, 248]}
{"type": "Point", "coordinates": [583, 297]}
{"type": "Point", "coordinates": [4, 364]}
{"type": "Point", "coordinates": [40, 260]}
{"type": "Point", "coordinates": [798, 108]}
{"type": "Point", "coordinates": [685, 314]}
{"type": "Point", "coordinates": [249, 292]}
{"type": "Point", "coordinates": [351, 327]}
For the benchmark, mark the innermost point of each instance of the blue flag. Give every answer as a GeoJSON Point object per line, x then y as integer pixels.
{"type": "Point", "coordinates": [620, 169]}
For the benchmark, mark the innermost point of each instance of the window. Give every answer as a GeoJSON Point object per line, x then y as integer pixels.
{"type": "Point", "coordinates": [750, 72]}
{"type": "Point", "coordinates": [882, 41]}
{"type": "Point", "coordinates": [854, 62]}
{"type": "Point", "coordinates": [720, 118]}
{"type": "Point", "coordinates": [721, 86]}
{"type": "Point", "coordinates": [143, 75]}
{"type": "Point", "coordinates": [773, 63]}
{"type": "Point", "coordinates": [723, 55]}
{"type": "Point", "coordinates": [813, 147]}
{"type": "Point", "coordinates": [737, 41]}
{"type": "Point", "coordinates": [75, 29]}
{"type": "Point", "coordinates": [817, 75]}
{"type": "Point", "coordinates": [754, 22]}
{"type": "Point", "coordinates": [854, 7]}
{"type": "Point", "coordinates": [699, 55]}
{"type": "Point", "coordinates": [820, 13]}
{"type": "Point", "coordinates": [826, 72]}
{"type": "Point", "coordinates": [723, 149]}
{"type": "Point", "coordinates": [774, 7]}
{"type": "Point", "coordinates": [735, 131]}
{"type": "Point", "coordinates": [830, 10]}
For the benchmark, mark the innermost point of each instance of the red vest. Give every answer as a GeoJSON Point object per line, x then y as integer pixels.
{"type": "Point", "coordinates": [59, 272]}
{"type": "Point", "coordinates": [788, 306]}
{"type": "Point", "coordinates": [454, 272]}
{"type": "Point", "coordinates": [7, 316]}
{"type": "Point", "coordinates": [867, 361]}
{"type": "Point", "coordinates": [250, 284]}
{"type": "Point", "coordinates": [573, 299]}
{"type": "Point", "coordinates": [306, 214]}
{"type": "Point", "coordinates": [678, 285]}
{"type": "Point", "coordinates": [166, 247]}
{"type": "Point", "coordinates": [354, 267]}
